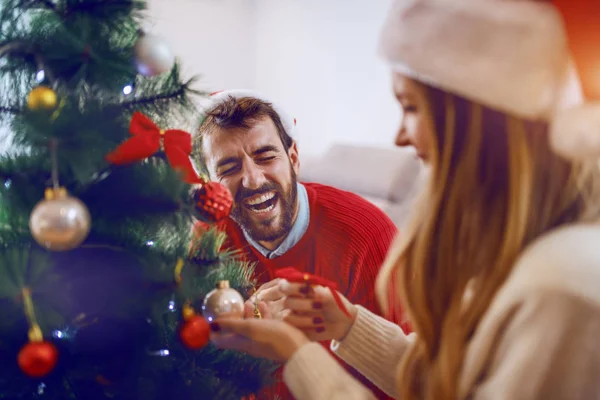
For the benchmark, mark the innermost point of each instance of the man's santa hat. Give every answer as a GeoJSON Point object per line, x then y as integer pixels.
{"type": "Point", "coordinates": [216, 98]}
{"type": "Point", "coordinates": [512, 56]}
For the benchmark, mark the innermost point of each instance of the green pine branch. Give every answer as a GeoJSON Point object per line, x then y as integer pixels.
{"type": "Point", "coordinates": [44, 4]}
{"type": "Point", "coordinates": [121, 283]}
{"type": "Point", "coordinates": [10, 110]}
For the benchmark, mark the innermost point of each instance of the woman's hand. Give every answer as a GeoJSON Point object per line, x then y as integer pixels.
{"type": "Point", "coordinates": [265, 338]}
{"type": "Point", "coordinates": [263, 308]}
{"type": "Point", "coordinates": [314, 311]}
{"type": "Point", "coordinates": [270, 301]}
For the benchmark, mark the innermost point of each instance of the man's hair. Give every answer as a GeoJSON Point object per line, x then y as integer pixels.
{"type": "Point", "coordinates": [241, 112]}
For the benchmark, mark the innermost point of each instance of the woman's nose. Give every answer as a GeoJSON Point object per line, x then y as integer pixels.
{"type": "Point", "coordinates": [402, 139]}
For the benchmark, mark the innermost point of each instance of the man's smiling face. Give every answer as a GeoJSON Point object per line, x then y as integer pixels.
{"type": "Point", "coordinates": [261, 175]}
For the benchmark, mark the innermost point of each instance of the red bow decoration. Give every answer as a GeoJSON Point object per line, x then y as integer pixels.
{"type": "Point", "coordinates": [148, 139]}
{"type": "Point", "coordinates": [293, 275]}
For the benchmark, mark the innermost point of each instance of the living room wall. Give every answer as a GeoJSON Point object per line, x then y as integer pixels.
{"type": "Point", "coordinates": [316, 57]}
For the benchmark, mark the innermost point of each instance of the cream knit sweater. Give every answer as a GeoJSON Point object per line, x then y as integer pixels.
{"type": "Point", "coordinates": [540, 338]}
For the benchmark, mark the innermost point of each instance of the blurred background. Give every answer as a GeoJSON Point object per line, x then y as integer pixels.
{"type": "Point", "coordinates": [317, 58]}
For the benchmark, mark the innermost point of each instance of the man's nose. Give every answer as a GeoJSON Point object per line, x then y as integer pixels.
{"type": "Point", "coordinates": [253, 177]}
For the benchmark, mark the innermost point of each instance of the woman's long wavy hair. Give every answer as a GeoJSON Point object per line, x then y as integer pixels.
{"type": "Point", "coordinates": [494, 187]}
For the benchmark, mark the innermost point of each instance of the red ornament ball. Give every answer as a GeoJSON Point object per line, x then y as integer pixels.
{"type": "Point", "coordinates": [37, 359]}
{"type": "Point", "coordinates": [212, 202]}
{"type": "Point", "coordinates": [195, 332]}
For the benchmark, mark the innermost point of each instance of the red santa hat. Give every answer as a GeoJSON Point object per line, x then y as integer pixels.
{"type": "Point", "coordinates": [214, 99]}
{"type": "Point", "coordinates": [512, 56]}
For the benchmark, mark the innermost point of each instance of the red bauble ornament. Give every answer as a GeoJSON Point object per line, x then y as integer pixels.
{"type": "Point", "coordinates": [212, 202]}
{"type": "Point", "coordinates": [195, 332]}
{"type": "Point", "coordinates": [37, 359]}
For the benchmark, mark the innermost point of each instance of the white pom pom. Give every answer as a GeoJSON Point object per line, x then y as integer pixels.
{"type": "Point", "coordinates": [575, 132]}
{"type": "Point", "coordinates": [153, 56]}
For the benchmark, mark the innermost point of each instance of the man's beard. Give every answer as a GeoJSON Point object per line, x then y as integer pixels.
{"type": "Point", "coordinates": [264, 230]}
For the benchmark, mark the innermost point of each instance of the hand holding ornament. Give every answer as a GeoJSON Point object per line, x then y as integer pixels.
{"type": "Point", "coordinates": [270, 301]}
{"type": "Point", "coordinates": [264, 338]}
{"type": "Point", "coordinates": [316, 312]}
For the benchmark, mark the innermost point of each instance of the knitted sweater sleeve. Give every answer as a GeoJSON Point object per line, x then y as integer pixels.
{"type": "Point", "coordinates": [373, 346]}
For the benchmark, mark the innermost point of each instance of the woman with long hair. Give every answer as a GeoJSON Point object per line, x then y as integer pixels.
{"type": "Point", "coordinates": [500, 268]}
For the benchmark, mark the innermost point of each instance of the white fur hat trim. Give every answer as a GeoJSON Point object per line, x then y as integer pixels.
{"type": "Point", "coordinates": [289, 123]}
{"type": "Point", "coordinates": [575, 132]}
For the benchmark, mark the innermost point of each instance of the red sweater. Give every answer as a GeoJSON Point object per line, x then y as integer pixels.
{"type": "Point", "coordinates": [346, 242]}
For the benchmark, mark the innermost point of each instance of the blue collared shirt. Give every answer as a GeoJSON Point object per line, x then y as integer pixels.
{"type": "Point", "coordinates": [298, 229]}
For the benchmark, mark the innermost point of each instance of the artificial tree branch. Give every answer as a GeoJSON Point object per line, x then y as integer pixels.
{"type": "Point", "coordinates": [46, 3]}
{"type": "Point", "coordinates": [101, 175]}
{"type": "Point", "coordinates": [184, 89]}
{"type": "Point", "coordinates": [160, 97]}
{"type": "Point", "coordinates": [12, 46]}
{"type": "Point", "coordinates": [10, 110]}
{"type": "Point", "coordinates": [15, 47]}
{"type": "Point", "coordinates": [91, 6]}
{"type": "Point", "coordinates": [14, 175]}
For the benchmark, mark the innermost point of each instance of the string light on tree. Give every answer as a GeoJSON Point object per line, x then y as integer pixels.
{"type": "Point", "coordinates": [152, 55]}
{"type": "Point", "coordinates": [40, 76]}
{"type": "Point", "coordinates": [128, 89]}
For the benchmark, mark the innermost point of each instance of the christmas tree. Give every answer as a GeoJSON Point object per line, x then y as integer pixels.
{"type": "Point", "coordinates": [101, 280]}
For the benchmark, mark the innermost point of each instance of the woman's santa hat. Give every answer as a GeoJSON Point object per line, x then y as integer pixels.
{"type": "Point", "coordinates": [216, 98]}
{"type": "Point", "coordinates": [512, 56]}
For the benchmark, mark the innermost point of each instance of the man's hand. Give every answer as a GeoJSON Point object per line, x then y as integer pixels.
{"type": "Point", "coordinates": [270, 300]}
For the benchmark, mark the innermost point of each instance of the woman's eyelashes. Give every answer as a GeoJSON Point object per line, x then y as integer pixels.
{"type": "Point", "coordinates": [410, 108]}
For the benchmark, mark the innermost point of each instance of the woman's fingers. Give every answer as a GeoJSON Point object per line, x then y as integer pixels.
{"type": "Point", "coordinates": [233, 325]}
{"type": "Point", "coordinates": [305, 322]}
{"type": "Point", "coordinates": [301, 305]}
{"type": "Point", "coordinates": [269, 294]}
{"type": "Point", "coordinates": [231, 341]}
{"type": "Point", "coordinates": [295, 289]}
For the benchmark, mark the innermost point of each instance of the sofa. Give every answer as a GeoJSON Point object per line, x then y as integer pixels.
{"type": "Point", "coordinates": [390, 177]}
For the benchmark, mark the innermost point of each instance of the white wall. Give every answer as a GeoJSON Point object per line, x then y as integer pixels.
{"type": "Point", "coordinates": [319, 58]}
{"type": "Point", "coordinates": [316, 57]}
{"type": "Point", "coordinates": [212, 38]}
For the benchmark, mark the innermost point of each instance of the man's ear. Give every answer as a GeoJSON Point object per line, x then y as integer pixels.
{"type": "Point", "coordinates": [200, 165]}
{"type": "Point", "coordinates": [200, 159]}
{"type": "Point", "coordinates": [294, 158]}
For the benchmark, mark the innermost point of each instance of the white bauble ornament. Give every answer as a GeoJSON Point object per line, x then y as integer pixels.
{"type": "Point", "coordinates": [152, 55]}
{"type": "Point", "coordinates": [59, 222]}
{"type": "Point", "coordinates": [223, 302]}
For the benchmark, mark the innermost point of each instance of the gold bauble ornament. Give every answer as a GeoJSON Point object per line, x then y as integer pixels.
{"type": "Point", "coordinates": [59, 222]}
{"type": "Point", "coordinates": [223, 302]}
{"type": "Point", "coordinates": [42, 98]}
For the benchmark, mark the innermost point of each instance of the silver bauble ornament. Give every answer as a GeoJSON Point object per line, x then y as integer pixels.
{"type": "Point", "coordinates": [152, 55]}
{"type": "Point", "coordinates": [223, 302]}
{"type": "Point", "coordinates": [59, 222]}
